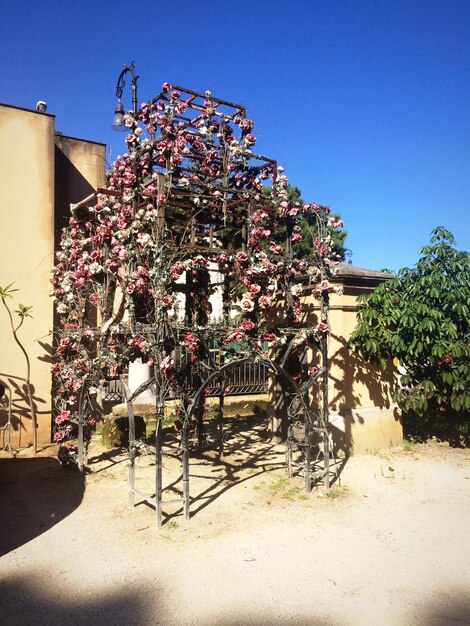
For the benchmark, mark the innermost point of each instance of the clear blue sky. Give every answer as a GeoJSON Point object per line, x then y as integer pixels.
{"type": "Point", "coordinates": [365, 103]}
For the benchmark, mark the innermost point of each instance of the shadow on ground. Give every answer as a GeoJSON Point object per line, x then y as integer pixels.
{"type": "Point", "coordinates": [448, 608]}
{"type": "Point", "coordinates": [35, 495]}
{"type": "Point", "coordinates": [457, 435]}
{"type": "Point", "coordinates": [248, 452]}
{"type": "Point", "coordinates": [23, 603]}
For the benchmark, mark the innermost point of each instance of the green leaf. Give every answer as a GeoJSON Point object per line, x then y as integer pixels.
{"type": "Point", "coordinates": [5, 292]}
{"type": "Point", "coordinates": [422, 317]}
{"type": "Point", "coordinates": [24, 311]}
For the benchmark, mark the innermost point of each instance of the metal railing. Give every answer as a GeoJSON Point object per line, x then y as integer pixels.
{"type": "Point", "coordinates": [248, 378]}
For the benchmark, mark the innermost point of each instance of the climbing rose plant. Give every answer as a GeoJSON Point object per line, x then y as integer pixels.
{"type": "Point", "coordinates": [190, 211]}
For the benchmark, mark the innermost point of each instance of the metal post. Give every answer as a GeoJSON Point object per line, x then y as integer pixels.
{"type": "Point", "coordinates": [81, 431]}
{"type": "Point", "coordinates": [134, 94]}
{"type": "Point", "coordinates": [158, 466]}
{"type": "Point", "coordinates": [307, 456]}
{"type": "Point", "coordinates": [201, 435]}
{"type": "Point", "coordinates": [131, 418]}
{"type": "Point", "coordinates": [220, 420]}
{"type": "Point", "coordinates": [185, 463]}
{"type": "Point", "coordinates": [326, 439]}
{"type": "Point", "coordinates": [5, 388]}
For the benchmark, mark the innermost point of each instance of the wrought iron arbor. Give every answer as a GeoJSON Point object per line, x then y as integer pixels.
{"type": "Point", "coordinates": [192, 245]}
{"type": "Point", "coordinates": [304, 424]}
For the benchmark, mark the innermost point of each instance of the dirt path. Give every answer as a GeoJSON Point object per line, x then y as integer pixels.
{"type": "Point", "coordinates": [389, 545]}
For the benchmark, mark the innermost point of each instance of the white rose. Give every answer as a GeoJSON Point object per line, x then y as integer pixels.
{"type": "Point", "coordinates": [95, 268]}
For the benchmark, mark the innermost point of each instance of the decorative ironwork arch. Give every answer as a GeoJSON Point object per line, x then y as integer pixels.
{"type": "Point", "coordinates": [299, 415]}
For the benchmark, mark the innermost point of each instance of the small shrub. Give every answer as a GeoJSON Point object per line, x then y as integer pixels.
{"type": "Point", "coordinates": [408, 445]}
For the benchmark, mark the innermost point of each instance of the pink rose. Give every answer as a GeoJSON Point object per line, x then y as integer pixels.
{"type": "Point", "coordinates": [180, 107]}
{"type": "Point", "coordinates": [167, 301]}
{"type": "Point", "coordinates": [241, 257]}
{"type": "Point", "coordinates": [264, 302]}
{"type": "Point", "coordinates": [62, 417]}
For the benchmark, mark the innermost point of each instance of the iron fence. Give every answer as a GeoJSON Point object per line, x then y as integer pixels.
{"type": "Point", "coordinates": [248, 378]}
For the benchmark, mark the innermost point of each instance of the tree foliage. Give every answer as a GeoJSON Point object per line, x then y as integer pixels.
{"type": "Point", "coordinates": [421, 318]}
{"type": "Point", "coordinates": [309, 230]}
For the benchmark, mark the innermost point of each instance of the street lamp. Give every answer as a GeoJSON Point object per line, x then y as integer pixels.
{"type": "Point", "coordinates": [118, 121]}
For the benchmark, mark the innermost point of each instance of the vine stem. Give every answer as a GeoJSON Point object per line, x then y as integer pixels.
{"type": "Point", "coordinates": [28, 373]}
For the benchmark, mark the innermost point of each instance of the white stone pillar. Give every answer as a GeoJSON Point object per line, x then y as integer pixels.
{"type": "Point", "coordinates": [139, 373]}
{"type": "Point", "coordinates": [216, 299]}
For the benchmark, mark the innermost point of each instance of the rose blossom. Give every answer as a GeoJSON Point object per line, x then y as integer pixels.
{"type": "Point", "coordinates": [264, 302]}
{"type": "Point", "coordinates": [241, 257]}
{"type": "Point", "coordinates": [247, 303]}
{"type": "Point", "coordinates": [254, 290]}
{"type": "Point", "coordinates": [62, 417]}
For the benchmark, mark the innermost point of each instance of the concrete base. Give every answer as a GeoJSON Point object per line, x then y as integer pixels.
{"type": "Point", "coordinates": [233, 405]}
{"type": "Point", "coordinates": [359, 430]}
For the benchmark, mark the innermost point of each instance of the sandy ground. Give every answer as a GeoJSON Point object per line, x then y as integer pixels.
{"type": "Point", "coordinates": [388, 545]}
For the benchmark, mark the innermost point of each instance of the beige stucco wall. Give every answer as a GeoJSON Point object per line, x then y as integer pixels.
{"type": "Point", "coordinates": [37, 183]}
{"type": "Point", "coordinates": [362, 414]}
{"type": "Point", "coordinates": [80, 168]}
{"type": "Point", "coordinates": [26, 253]}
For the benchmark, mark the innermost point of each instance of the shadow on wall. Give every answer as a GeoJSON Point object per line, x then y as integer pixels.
{"type": "Point", "coordinates": [20, 409]}
{"type": "Point", "coordinates": [70, 186]}
{"type": "Point", "coordinates": [354, 373]}
{"type": "Point", "coordinates": [356, 384]}
{"type": "Point", "coordinates": [36, 494]}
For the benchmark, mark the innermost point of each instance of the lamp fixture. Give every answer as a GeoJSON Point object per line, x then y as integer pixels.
{"type": "Point", "coordinates": [118, 120]}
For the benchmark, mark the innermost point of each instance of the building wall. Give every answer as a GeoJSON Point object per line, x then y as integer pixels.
{"type": "Point", "coordinates": [39, 177]}
{"type": "Point", "coordinates": [26, 252]}
{"type": "Point", "coordinates": [80, 168]}
{"type": "Point", "coordinates": [362, 414]}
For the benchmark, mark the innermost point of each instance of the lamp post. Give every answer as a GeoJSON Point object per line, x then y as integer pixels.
{"type": "Point", "coordinates": [118, 121]}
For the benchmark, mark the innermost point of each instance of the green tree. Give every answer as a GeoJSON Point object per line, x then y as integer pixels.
{"type": "Point", "coordinates": [309, 231]}
{"type": "Point", "coordinates": [421, 318]}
